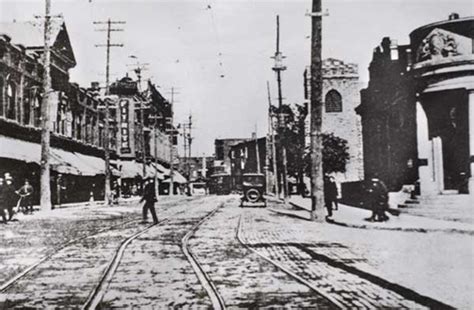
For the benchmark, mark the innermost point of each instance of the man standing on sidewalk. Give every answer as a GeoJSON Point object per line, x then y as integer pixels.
{"type": "Point", "coordinates": [149, 197]}
{"type": "Point", "coordinates": [9, 196]}
{"type": "Point", "coordinates": [3, 205]}
{"type": "Point", "coordinates": [26, 194]}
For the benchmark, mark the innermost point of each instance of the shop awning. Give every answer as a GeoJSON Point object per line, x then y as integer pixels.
{"type": "Point", "coordinates": [61, 161]}
{"type": "Point", "coordinates": [130, 169]}
{"type": "Point", "coordinates": [177, 178]}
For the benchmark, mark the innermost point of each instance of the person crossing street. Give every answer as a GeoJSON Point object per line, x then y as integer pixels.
{"type": "Point", "coordinates": [149, 197]}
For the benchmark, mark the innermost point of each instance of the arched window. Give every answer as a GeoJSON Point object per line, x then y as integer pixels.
{"type": "Point", "coordinates": [333, 101]}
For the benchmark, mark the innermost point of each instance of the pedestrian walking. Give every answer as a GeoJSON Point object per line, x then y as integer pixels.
{"type": "Point", "coordinates": [26, 194]}
{"type": "Point", "coordinates": [2, 201]}
{"type": "Point", "coordinates": [9, 195]}
{"type": "Point", "coordinates": [332, 192]}
{"type": "Point", "coordinates": [377, 195]}
{"type": "Point", "coordinates": [327, 196]}
{"type": "Point", "coordinates": [149, 197]}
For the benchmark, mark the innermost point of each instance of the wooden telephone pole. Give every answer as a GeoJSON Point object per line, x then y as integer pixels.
{"type": "Point", "coordinates": [45, 190]}
{"type": "Point", "coordinates": [272, 142]}
{"type": "Point", "coordinates": [108, 45]}
{"type": "Point", "coordinates": [317, 183]}
{"type": "Point", "coordinates": [172, 133]}
{"type": "Point", "coordinates": [278, 68]}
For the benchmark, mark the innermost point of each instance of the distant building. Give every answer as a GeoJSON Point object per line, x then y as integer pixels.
{"type": "Point", "coordinates": [340, 98]}
{"type": "Point", "coordinates": [197, 168]}
{"type": "Point", "coordinates": [222, 149]}
{"type": "Point", "coordinates": [243, 158]}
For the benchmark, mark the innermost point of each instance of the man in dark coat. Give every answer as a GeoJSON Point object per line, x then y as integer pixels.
{"type": "Point", "coordinates": [327, 196]}
{"type": "Point", "coordinates": [3, 205]}
{"type": "Point", "coordinates": [149, 197]}
{"type": "Point", "coordinates": [9, 195]}
{"type": "Point", "coordinates": [378, 199]}
{"type": "Point", "coordinates": [26, 194]}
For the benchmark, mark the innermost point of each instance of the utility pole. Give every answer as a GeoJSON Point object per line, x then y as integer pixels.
{"type": "Point", "coordinates": [185, 149]}
{"type": "Point", "coordinates": [45, 194]}
{"type": "Point", "coordinates": [278, 68]}
{"type": "Point", "coordinates": [109, 29]}
{"type": "Point", "coordinates": [317, 183]}
{"type": "Point", "coordinates": [190, 141]}
{"type": "Point", "coordinates": [139, 67]}
{"type": "Point", "coordinates": [257, 153]}
{"type": "Point", "coordinates": [171, 193]}
{"type": "Point", "coordinates": [272, 137]}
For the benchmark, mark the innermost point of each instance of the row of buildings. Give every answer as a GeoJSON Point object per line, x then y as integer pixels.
{"type": "Point", "coordinates": [412, 124]}
{"type": "Point", "coordinates": [78, 120]}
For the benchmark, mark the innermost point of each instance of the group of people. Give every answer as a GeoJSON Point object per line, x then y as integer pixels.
{"type": "Point", "coordinates": [376, 198]}
{"type": "Point", "coordinates": [11, 198]}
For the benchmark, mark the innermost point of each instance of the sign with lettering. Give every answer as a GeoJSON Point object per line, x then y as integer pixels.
{"type": "Point", "coordinates": [124, 126]}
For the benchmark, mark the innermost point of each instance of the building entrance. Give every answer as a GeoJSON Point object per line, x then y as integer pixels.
{"type": "Point", "coordinates": [448, 118]}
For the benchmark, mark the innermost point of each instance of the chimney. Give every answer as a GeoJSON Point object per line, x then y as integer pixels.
{"type": "Point", "coordinates": [95, 85]}
{"type": "Point", "coordinates": [254, 136]}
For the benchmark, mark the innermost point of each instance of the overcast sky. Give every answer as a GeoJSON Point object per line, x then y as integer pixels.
{"type": "Point", "coordinates": [189, 45]}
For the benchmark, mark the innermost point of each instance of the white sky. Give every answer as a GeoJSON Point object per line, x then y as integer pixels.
{"type": "Point", "coordinates": [181, 41]}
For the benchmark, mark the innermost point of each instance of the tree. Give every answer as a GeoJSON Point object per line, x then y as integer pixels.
{"type": "Point", "coordinates": [335, 153]}
{"type": "Point", "coordinates": [335, 149]}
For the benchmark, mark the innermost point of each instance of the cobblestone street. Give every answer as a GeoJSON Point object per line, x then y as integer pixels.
{"type": "Point", "coordinates": [208, 248]}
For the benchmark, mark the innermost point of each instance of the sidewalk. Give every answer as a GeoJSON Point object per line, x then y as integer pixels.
{"type": "Point", "coordinates": [355, 217]}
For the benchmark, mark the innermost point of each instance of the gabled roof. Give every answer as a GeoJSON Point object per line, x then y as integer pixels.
{"type": "Point", "coordinates": [30, 34]}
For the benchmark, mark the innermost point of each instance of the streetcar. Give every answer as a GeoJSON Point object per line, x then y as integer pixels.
{"type": "Point", "coordinates": [253, 186]}
{"type": "Point", "coordinates": [220, 184]}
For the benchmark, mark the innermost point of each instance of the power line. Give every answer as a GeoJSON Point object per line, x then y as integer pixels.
{"type": "Point", "coordinates": [108, 45]}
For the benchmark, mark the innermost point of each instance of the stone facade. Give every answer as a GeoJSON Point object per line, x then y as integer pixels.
{"type": "Point", "coordinates": [340, 98]}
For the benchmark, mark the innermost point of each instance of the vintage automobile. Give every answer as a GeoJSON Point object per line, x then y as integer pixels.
{"type": "Point", "coordinates": [253, 186]}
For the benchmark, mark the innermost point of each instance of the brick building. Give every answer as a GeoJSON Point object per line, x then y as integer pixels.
{"type": "Point", "coordinates": [222, 148]}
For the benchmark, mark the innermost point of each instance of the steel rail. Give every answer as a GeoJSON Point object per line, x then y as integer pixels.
{"type": "Point", "coordinates": [95, 298]}
{"type": "Point", "coordinates": [216, 299]}
{"type": "Point", "coordinates": [5, 286]}
{"type": "Point", "coordinates": [286, 270]}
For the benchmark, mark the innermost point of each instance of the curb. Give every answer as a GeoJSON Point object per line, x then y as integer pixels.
{"type": "Point", "coordinates": [344, 224]}
{"type": "Point", "coordinates": [405, 292]}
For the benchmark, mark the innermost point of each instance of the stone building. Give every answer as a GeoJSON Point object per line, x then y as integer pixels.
{"type": "Point", "coordinates": [340, 98]}
{"type": "Point", "coordinates": [427, 108]}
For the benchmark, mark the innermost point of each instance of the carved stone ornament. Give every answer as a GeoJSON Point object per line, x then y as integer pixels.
{"type": "Point", "coordinates": [440, 43]}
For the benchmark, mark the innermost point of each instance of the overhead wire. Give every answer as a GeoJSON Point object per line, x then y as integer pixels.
{"type": "Point", "coordinates": [218, 41]}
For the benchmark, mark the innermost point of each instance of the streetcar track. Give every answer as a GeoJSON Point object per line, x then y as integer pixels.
{"type": "Point", "coordinates": [286, 270]}
{"type": "Point", "coordinates": [216, 299]}
{"type": "Point", "coordinates": [9, 283]}
{"type": "Point", "coordinates": [100, 289]}
{"type": "Point", "coordinates": [5, 286]}
{"type": "Point", "coordinates": [95, 298]}
{"type": "Point", "coordinates": [384, 284]}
